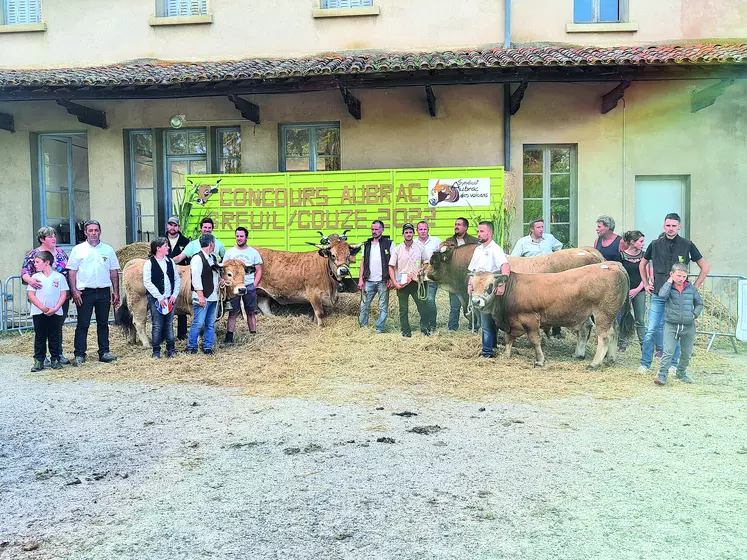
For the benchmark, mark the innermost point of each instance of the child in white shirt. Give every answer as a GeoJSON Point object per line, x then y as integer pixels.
{"type": "Point", "coordinates": [46, 310]}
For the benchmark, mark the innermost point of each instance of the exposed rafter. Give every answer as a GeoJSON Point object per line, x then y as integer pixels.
{"type": "Point", "coordinates": [610, 99]}
{"type": "Point", "coordinates": [248, 110]}
{"type": "Point", "coordinates": [430, 97]}
{"type": "Point", "coordinates": [86, 115]}
{"type": "Point", "coordinates": [707, 96]}
{"type": "Point", "coordinates": [517, 96]}
{"type": "Point", "coordinates": [354, 105]}
{"type": "Point", "coordinates": [7, 122]}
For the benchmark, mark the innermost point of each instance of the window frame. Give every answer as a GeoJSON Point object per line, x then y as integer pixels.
{"type": "Point", "coordinates": [162, 9]}
{"type": "Point", "coordinates": [324, 4]}
{"type": "Point", "coordinates": [312, 127]}
{"type": "Point", "coordinates": [218, 159]}
{"type": "Point", "coordinates": [133, 215]}
{"type": "Point", "coordinates": [547, 188]}
{"type": "Point", "coordinates": [41, 183]}
{"type": "Point", "coordinates": [596, 11]}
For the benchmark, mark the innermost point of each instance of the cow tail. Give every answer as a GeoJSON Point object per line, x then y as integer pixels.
{"type": "Point", "coordinates": [626, 320]}
{"type": "Point", "coordinates": [123, 318]}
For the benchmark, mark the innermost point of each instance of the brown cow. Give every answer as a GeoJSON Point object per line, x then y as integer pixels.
{"type": "Point", "coordinates": [448, 266]}
{"type": "Point", "coordinates": [560, 299]}
{"type": "Point", "coordinates": [289, 277]}
{"type": "Point", "coordinates": [132, 315]}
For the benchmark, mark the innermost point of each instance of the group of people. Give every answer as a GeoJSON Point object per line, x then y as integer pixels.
{"type": "Point", "coordinates": [660, 271]}
{"type": "Point", "coordinates": [90, 277]}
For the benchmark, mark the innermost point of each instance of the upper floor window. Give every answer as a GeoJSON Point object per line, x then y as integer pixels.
{"type": "Point", "coordinates": [177, 8]}
{"type": "Point", "coordinates": [20, 12]}
{"type": "Point", "coordinates": [337, 4]}
{"type": "Point", "coordinates": [598, 11]}
{"type": "Point", "coordinates": [310, 147]}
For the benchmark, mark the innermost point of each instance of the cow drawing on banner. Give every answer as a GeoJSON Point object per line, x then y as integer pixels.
{"type": "Point", "coordinates": [204, 191]}
{"type": "Point", "coordinates": [441, 192]}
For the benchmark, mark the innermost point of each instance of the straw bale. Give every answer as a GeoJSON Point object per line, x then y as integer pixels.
{"type": "Point", "coordinates": [290, 356]}
{"type": "Point", "coordinates": [139, 250]}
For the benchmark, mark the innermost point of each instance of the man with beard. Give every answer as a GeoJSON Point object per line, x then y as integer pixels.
{"type": "Point", "coordinates": [251, 258]}
{"type": "Point", "coordinates": [460, 237]}
{"type": "Point", "coordinates": [177, 243]}
{"type": "Point", "coordinates": [374, 275]}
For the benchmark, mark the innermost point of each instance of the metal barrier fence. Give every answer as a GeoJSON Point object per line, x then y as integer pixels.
{"type": "Point", "coordinates": [724, 311]}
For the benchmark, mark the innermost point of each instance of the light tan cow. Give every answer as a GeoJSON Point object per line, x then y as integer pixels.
{"type": "Point", "coordinates": [560, 299]}
{"type": "Point", "coordinates": [313, 278]}
{"type": "Point", "coordinates": [132, 315]}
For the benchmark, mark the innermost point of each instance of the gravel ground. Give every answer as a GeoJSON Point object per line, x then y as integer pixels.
{"type": "Point", "coordinates": [126, 470]}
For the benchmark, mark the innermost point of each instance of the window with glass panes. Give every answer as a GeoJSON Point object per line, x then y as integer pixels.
{"type": "Point", "coordinates": [598, 11]}
{"type": "Point", "coordinates": [310, 147]}
{"type": "Point", "coordinates": [549, 190]}
{"type": "Point", "coordinates": [65, 201]}
{"type": "Point", "coordinates": [228, 150]}
{"type": "Point", "coordinates": [143, 191]}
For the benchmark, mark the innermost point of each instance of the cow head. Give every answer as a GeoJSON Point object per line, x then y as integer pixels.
{"type": "Point", "coordinates": [484, 288]}
{"type": "Point", "coordinates": [437, 269]}
{"type": "Point", "coordinates": [339, 253]}
{"type": "Point", "coordinates": [204, 191]}
{"type": "Point", "coordinates": [232, 273]}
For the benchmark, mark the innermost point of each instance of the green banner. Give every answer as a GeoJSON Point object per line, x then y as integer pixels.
{"type": "Point", "coordinates": [284, 210]}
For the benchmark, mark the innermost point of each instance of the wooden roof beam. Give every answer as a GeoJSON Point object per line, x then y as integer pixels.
{"type": "Point", "coordinates": [354, 105]}
{"type": "Point", "coordinates": [7, 122]}
{"type": "Point", "coordinates": [430, 98]}
{"type": "Point", "coordinates": [86, 115]}
{"type": "Point", "coordinates": [517, 96]}
{"type": "Point", "coordinates": [610, 99]}
{"type": "Point", "coordinates": [248, 110]}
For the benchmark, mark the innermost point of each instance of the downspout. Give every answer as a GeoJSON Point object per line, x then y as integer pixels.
{"type": "Point", "coordinates": [624, 172]}
{"type": "Point", "coordinates": [507, 91]}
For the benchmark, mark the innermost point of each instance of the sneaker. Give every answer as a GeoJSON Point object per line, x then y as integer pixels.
{"type": "Point", "coordinates": [684, 378]}
{"type": "Point", "coordinates": [207, 351]}
{"type": "Point", "coordinates": [659, 354]}
{"type": "Point", "coordinates": [64, 361]}
{"type": "Point", "coordinates": [252, 332]}
{"type": "Point", "coordinates": [57, 364]}
{"type": "Point", "coordinates": [672, 370]}
{"type": "Point", "coordinates": [229, 338]}
{"type": "Point", "coordinates": [78, 360]}
{"type": "Point", "coordinates": [191, 350]}
{"type": "Point", "coordinates": [171, 353]}
{"type": "Point", "coordinates": [47, 364]}
{"type": "Point", "coordinates": [107, 358]}
{"type": "Point", "coordinates": [642, 369]}
{"type": "Point", "coordinates": [38, 366]}
{"type": "Point", "coordinates": [407, 334]}
{"type": "Point", "coordinates": [425, 333]}
{"type": "Point", "coordinates": [660, 380]}
{"type": "Point", "coordinates": [622, 349]}
{"type": "Point", "coordinates": [379, 332]}
{"type": "Point", "coordinates": [483, 355]}
{"type": "Point", "coordinates": [156, 354]}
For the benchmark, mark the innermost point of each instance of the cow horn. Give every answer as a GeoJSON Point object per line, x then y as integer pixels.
{"type": "Point", "coordinates": [321, 246]}
{"type": "Point", "coordinates": [345, 231]}
{"type": "Point", "coordinates": [355, 246]}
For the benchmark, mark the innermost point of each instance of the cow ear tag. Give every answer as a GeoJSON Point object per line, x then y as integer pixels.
{"type": "Point", "coordinates": [603, 266]}
{"type": "Point", "coordinates": [581, 253]}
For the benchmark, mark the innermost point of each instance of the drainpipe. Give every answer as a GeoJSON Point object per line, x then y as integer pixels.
{"type": "Point", "coordinates": [507, 91]}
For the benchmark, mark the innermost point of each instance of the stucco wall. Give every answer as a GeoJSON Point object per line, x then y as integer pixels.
{"type": "Point", "coordinates": [83, 32]}
{"type": "Point", "coordinates": [662, 137]}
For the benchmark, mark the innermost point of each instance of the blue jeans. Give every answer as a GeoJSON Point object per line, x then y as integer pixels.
{"type": "Point", "coordinates": [370, 289]}
{"type": "Point", "coordinates": [430, 305]}
{"type": "Point", "coordinates": [163, 326]}
{"type": "Point", "coordinates": [489, 336]}
{"type": "Point", "coordinates": [455, 312]}
{"type": "Point", "coordinates": [203, 317]}
{"type": "Point", "coordinates": [655, 330]}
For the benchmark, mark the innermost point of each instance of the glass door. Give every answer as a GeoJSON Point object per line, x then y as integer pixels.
{"type": "Point", "coordinates": [186, 154]}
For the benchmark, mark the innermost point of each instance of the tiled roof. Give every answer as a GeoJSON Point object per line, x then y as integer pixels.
{"type": "Point", "coordinates": [366, 63]}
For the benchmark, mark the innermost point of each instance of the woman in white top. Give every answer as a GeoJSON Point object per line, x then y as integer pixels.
{"type": "Point", "coordinates": [161, 281]}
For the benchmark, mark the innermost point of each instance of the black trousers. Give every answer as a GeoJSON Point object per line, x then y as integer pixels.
{"type": "Point", "coordinates": [403, 296]}
{"type": "Point", "coordinates": [98, 300]}
{"type": "Point", "coordinates": [181, 327]}
{"type": "Point", "coordinates": [47, 330]}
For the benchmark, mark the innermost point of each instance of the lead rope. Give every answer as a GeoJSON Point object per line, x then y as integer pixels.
{"type": "Point", "coordinates": [422, 288]}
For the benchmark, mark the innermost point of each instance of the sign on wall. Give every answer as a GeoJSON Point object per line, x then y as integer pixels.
{"type": "Point", "coordinates": [284, 210]}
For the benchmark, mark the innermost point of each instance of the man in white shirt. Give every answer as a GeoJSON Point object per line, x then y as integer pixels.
{"type": "Point", "coordinates": [374, 275]}
{"type": "Point", "coordinates": [251, 258]}
{"type": "Point", "coordinates": [93, 276]}
{"type": "Point", "coordinates": [193, 247]}
{"type": "Point", "coordinates": [430, 244]}
{"type": "Point", "coordinates": [537, 242]}
{"type": "Point", "coordinates": [205, 280]}
{"type": "Point", "coordinates": [405, 264]}
{"type": "Point", "coordinates": [488, 257]}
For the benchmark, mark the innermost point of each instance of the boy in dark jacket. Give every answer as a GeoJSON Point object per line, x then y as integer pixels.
{"type": "Point", "coordinates": [682, 306]}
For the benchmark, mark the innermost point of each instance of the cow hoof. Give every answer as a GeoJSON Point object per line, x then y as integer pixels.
{"type": "Point", "coordinates": [537, 364]}
{"type": "Point", "coordinates": [580, 357]}
{"type": "Point", "coordinates": [593, 367]}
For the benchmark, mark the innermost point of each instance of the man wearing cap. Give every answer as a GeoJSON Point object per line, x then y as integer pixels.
{"type": "Point", "coordinates": [93, 276]}
{"type": "Point", "coordinates": [405, 264]}
{"type": "Point", "coordinates": [177, 243]}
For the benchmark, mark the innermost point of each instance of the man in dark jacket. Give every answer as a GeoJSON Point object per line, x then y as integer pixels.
{"type": "Point", "coordinates": [177, 243]}
{"type": "Point", "coordinates": [460, 237]}
{"type": "Point", "coordinates": [374, 274]}
{"type": "Point", "coordinates": [662, 254]}
{"type": "Point", "coordinates": [682, 305]}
